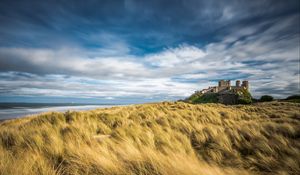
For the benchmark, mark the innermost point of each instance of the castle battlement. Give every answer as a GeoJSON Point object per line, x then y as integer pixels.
{"type": "Point", "coordinates": [225, 85]}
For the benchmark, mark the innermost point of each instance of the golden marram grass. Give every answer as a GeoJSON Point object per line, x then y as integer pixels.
{"type": "Point", "coordinates": [160, 138]}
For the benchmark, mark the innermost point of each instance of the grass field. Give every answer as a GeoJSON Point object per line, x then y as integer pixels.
{"type": "Point", "coordinates": [162, 138]}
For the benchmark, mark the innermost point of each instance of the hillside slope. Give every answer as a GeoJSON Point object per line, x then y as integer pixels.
{"type": "Point", "coordinates": [162, 138]}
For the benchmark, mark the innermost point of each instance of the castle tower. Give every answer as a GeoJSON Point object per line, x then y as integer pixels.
{"type": "Point", "coordinates": [245, 84]}
{"type": "Point", "coordinates": [238, 83]}
{"type": "Point", "coordinates": [221, 83]}
{"type": "Point", "coordinates": [224, 83]}
{"type": "Point", "coordinates": [228, 83]}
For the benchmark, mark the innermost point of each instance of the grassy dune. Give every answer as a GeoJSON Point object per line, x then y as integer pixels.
{"type": "Point", "coordinates": [162, 138]}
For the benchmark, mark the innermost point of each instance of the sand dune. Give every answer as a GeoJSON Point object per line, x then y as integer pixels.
{"type": "Point", "coordinates": [161, 138]}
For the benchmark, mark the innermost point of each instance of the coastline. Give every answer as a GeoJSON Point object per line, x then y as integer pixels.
{"type": "Point", "coordinates": [16, 112]}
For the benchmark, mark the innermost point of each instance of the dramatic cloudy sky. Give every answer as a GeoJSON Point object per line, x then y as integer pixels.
{"type": "Point", "coordinates": [133, 51]}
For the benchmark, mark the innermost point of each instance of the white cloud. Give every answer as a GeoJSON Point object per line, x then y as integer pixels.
{"type": "Point", "coordinates": [176, 56]}
{"type": "Point", "coordinates": [269, 60]}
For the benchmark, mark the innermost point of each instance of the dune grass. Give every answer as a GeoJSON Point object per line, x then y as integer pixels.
{"type": "Point", "coordinates": [162, 138]}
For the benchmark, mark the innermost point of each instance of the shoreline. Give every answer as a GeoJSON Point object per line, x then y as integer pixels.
{"type": "Point", "coordinates": [16, 113]}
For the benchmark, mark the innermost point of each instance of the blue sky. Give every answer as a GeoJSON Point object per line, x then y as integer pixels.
{"type": "Point", "coordinates": [135, 51]}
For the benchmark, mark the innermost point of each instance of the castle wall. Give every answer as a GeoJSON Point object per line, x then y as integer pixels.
{"type": "Point", "coordinates": [228, 99]}
{"type": "Point", "coordinates": [222, 88]}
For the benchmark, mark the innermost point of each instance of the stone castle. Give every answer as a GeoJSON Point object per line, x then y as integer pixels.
{"type": "Point", "coordinates": [225, 87]}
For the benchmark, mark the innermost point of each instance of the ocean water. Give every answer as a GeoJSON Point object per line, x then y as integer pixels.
{"type": "Point", "coordinates": [10, 111]}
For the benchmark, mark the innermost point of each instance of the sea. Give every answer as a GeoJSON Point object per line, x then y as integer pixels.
{"type": "Point", "coordinates": [17, 110]}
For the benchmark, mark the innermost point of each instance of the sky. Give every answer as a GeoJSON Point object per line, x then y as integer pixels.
{"type": "Point", "coordinates": [136, 51]}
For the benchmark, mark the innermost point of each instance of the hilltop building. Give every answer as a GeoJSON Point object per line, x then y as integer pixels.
{"type": "Point", "coordinates": [224, 86]}
{"type": "Point", "coordinates": [224, 93]}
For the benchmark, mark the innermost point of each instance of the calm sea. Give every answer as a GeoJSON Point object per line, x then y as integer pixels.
{"type": "Point", "coordinates": [16, 110]}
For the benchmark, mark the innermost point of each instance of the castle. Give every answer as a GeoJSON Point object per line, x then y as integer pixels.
{"type": "Point", "coordinates": [223, 93]}
{"type": "Point", "coordinates": [225, 86]}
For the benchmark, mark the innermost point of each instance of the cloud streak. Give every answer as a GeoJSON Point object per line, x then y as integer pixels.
{"type": "Point", "coordinates": [187, 54]}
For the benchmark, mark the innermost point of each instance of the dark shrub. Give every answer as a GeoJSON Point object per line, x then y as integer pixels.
{"type": "Point", "coordinates": [244, 101]}
{"type": "Point", "coordinates": [293, 97]}
{"type": "Point", "coordinates": [265, 98]}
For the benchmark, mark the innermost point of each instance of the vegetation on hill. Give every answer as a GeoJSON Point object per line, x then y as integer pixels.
{"type": "Point", "coordinates": [203, 98]}
{"type": "Point", "coordinates": [293, 98]}
{"type": "Point", "coordinates": [163, 138]}
{"type": "Point", "coordinates": [244, 96]}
